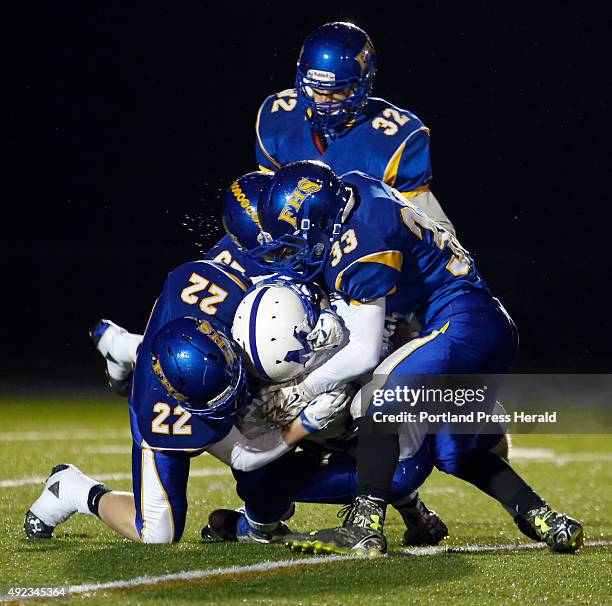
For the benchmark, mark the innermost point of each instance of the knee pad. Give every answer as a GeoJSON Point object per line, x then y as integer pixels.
{"type": "Point", "coordinates": [157, 534]}
{"type": "Point", "coordinates": [160, 525]}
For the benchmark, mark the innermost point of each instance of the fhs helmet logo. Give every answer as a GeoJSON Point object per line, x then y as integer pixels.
{"type": "Point", "coordinates": [364, 55]}
{"type": "Point", "coordinates": [244, 202]}
{"type": "Point", "coordinates": [305, 188]}
{"type": "Point", "coordinates": [159, 373]}
{"type": "Point", "coordinates": [206, 329]}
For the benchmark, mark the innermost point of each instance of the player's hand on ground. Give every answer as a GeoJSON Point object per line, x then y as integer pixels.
{"type": "Point", "coordinates": [328, 331]}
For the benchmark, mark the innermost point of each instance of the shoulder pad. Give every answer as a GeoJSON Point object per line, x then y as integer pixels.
{"type": "Point", "coordinates": [276, 109]}
{"type": "Point", "coordinates": [391, 120]}
{"type": "Point", "coordinates": [370, 277]}
{"type": "Point", "coordinates": [214, 271]}
{"type": "Point", "coordinates": [273, 117]}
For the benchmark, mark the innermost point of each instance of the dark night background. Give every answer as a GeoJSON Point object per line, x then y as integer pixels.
{"type": "Point", "coordinates": [126, 120]}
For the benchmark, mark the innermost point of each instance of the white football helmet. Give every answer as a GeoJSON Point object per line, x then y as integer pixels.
{"type": "Point", "coordinates": [271, 325]}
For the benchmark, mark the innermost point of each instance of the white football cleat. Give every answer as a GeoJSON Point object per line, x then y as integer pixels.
{"type": "Point", "coordinates": [118, 372]}
{"type": "Point", "coordinates": [66, 491]}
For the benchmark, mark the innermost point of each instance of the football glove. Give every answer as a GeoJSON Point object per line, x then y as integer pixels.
{"type": "Point", "coordinates": [328, 331]}
{"type": "Point", "coordinates": [283, 403]}
{"type": "Point", "coordinates": [321, 411]}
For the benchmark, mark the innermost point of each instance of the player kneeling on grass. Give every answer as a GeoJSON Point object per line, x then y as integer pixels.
{"type": "Point", "coordinates": [267, 328]}
{"type": "Point", "coordinates": [189, 384]}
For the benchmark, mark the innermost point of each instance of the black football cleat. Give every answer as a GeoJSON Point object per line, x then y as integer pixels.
{"type": "Point", "coordinates": [52, 507]}
{"type": "Point", "coordinates": [423, 526]}
{"type": "Point", "coordinates": [560, 532]}
{"type": "Point", "coordinates": [122, 387]}
{"type": "Point", "coordinates": [361, 533]}
{"type": "Point", "coordinates": [232, 525]}
{"type": "Point", "coordinates": [221, 526]}
{"type": "Point", "coordinates": [35, 528]}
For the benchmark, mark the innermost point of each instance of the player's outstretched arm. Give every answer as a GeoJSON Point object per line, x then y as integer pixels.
{"type": "Point", "coordinates": [249, 454]}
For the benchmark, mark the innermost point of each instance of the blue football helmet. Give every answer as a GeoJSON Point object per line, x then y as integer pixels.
{"type": "Point", "coordinates": [198, 366]}
{"type": "Point", "coordinates": [335, 57]}
{"type": "Point", "coordinates": [239, 210]}
{"type": "Point", "coordinates": [301, 217]}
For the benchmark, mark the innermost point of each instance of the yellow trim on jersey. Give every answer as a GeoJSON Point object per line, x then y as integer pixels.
{"type": "Point", "coordinates": [406, 350]}
{"type": "Point", "coordinates": [144, 445]}
{"type": "Point", "coordinates": [392, 258]}
{"type": "Point", "coordinates": [393, 165]}
{"type": "Point", "coordinates": [265, 169]}
{"type": "Point", "coordinates": [260, 142]}
{"type": "Point", "coordinates": [392, 168]}
{"type": "Point", "coordinates": [235, 279]}
{"type": "Point", "coordinates": [415, 344]}
{"type": "Point", "coordinates": [415, 192]}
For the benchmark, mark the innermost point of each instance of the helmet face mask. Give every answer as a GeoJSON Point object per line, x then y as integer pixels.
{"type": "Point", "coordinates": [291, 255]}
{"type": "Point", "coordinates": [197, 365]}
{"type": "Point", "coordinates": [301, 218]}
{"type": "Point", "coordinates": [335, 58]}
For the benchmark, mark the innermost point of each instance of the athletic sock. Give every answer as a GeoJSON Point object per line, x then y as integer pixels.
{"type": "Point", "coordinates": [377, 457]}
{"type": "Point", "coordinates": [495, 477]}
{"type": "Point", "coordinates": [264, 528]}
{"type": "Point", "coordinates": [93, 499]}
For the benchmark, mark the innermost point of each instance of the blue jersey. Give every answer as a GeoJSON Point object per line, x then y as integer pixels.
{"type": "Point", "coordinates": [199, 289]}
{"type": "Point", "coordinates": [385, 141]}
{"type": "Point", "coordinates": [227, 251]}
{"type": "Point", "coordinates": [390, 248]}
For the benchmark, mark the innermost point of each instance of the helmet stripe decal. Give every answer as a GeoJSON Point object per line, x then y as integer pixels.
{"type": "Point", "coordinates": [253, 333]}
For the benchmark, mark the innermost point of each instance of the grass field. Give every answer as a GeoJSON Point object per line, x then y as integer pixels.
{"type": "Point", "coordinates": [573, 473]}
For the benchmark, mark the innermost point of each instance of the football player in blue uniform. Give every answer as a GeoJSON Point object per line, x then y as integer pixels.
{"type": "Point", "coordinates": [239, 216]}
{"type": "Point", "coordinates": [364, 240]}
{"type": "Point", "coordinates": [331, 116]}
{"type": "Point", "coordinates": [189, 384]}
{"type": "Point", "coordinates": [324, 471]}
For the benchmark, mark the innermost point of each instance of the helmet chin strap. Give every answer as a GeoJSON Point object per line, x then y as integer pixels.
{"type": "Point", "coordinates": [263, 237]}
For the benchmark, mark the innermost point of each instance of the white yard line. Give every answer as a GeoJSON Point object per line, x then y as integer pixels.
{"type": "Point", "coordinates": [546, 455]}
{"type": "Point", "coordinates": [535, 455]}
{"type": "Point", "coordinates": [193, 575]}
{"type": "Point", "coordinates": [53, 436]}
{"type": "Point", "coordinates": [104, 477]}
{"type": "Point", "coordinates": [233, 571]}
{"type": "Point", "coordinates": [109, 449]}
{"type": "Point", "coordinates": [443, 549]}
{"type": "Point", "coordinates": [121, 449]}
{"type": "Point", "coordinates": [441, 489]}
